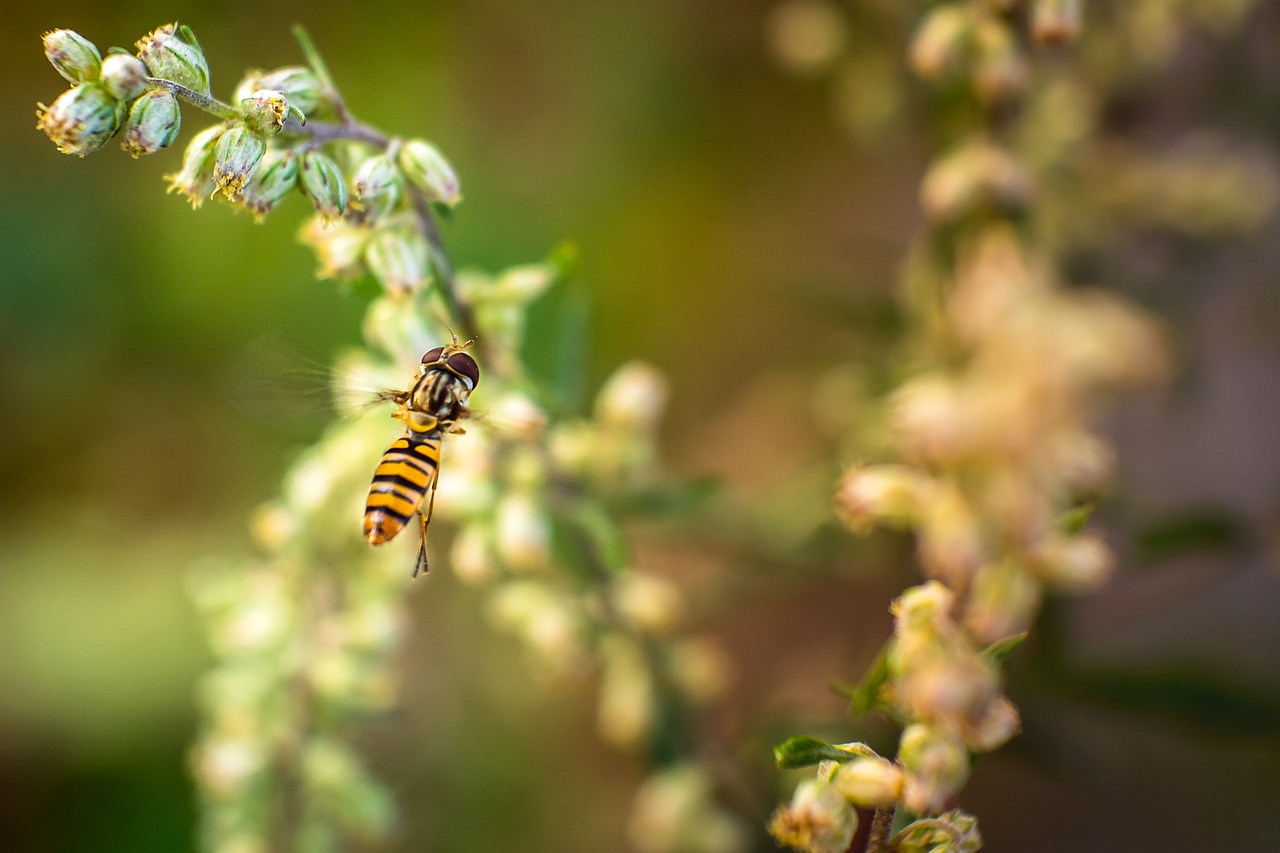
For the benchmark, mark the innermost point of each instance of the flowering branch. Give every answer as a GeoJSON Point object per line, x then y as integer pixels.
{"type": "Point", "coordinates": [305, 636]}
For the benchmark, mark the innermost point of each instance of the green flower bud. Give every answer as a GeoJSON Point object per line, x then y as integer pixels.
{"type": "Point", "coordinates": [322, 182]}
{"type": "Point", "coordinates": [427, 169]}
{"type": "Point", "coordinates": [400, 259]}
{"type": "Point", "coordinates": [172, 53]}
{"type": "Point", "coordinates": [124, 76]}
{"type": "Point", "coordinates": [276, 175]}
{"type": "Point", "coordinates": [81, 120]}
{"type": "Point", "coordinates": [378, 180]}
{"type": "Point", "coordinates": [264, 112]}
{"type": "Point", "coordinates": [236, 156]}
{"type": "Point", "coordinates": [195, 178]}
{"type": "Point", "coordinates": [936, 763]}
{"type": "Point", "coordinates": [153, 123]}
{"type": "Point", "coordinates": [74, 56]}
{"type": "Point", "coordinates": [300, 85]}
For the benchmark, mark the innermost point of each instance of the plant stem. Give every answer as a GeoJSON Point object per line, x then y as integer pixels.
{"type": "Point", "coordinates": [205, 102]}
{"type": "Point", "coordinates": [880, 826]}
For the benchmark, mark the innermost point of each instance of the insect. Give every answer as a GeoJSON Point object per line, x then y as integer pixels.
{"type": "Point", "coordinates": [433, 405]}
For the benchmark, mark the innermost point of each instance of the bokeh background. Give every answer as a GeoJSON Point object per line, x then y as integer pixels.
{"type": "Point", "coordinates": [741, 226]}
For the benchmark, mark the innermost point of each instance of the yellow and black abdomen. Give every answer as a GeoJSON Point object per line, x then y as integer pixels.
{"type": "Point", "coordinates": [407, 470]}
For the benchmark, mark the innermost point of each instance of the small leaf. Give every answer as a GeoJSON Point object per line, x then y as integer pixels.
{"type": "Point", "coordinates": [999, 651]}
{"type": "Point", "coordinates": [802, 751]}
{"type": "Point", "coordinates": [1073, 520]}
{"type": "Point", "coordinates": [866, 695]}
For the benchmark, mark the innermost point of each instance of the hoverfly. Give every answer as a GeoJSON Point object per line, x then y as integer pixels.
{"type": "Point", "coordinates": [433, 405]}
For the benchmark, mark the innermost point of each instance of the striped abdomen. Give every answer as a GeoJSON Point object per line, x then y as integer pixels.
{"type": "Point", "coordinates": [406, 472]}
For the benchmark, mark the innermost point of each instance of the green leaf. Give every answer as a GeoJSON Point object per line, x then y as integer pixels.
{"type": "Point", "coordinates": [999, 651]}
{"type": "Point", "coordinates": [866, 695]}
{"type": "Point", "coordinates": [802, 751]}
{"type": "Point", "coordinates": [1073, 520]}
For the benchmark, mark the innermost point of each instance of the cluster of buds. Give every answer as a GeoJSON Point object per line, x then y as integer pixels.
{"type": "Point", "coordinates": [279, 134]}
{"type": "Point", "coordinates": [851, 780]}
{"type": "Point", "coordinates": [120, 92]}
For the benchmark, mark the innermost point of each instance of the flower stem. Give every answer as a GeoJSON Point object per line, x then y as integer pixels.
{"type": "Point", "coordinates": [205, 102]}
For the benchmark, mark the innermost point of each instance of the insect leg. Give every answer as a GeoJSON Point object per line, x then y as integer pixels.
{"type": "Point", "coordinates": [420, 567]}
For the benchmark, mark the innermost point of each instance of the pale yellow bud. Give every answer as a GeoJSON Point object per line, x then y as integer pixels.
{"type": "Point", "coordinates": [998, 722]}
{"type": "Point", "coordinates": [701, 668]}
{"type": "Point", "coordinates": [949, 538]}
{"type": "Point", "coordinates": [1003, 600]}
{"type": "Point", "coordinates": [633, 397]}
{"type": "Point", "coordinates": [936, 764]}
{"type": "Point", "coordinates": [472, 557]}
{"type": "Point", "coordinates": [977, 176]}
{"type": "Point", "coordinates": [869, 782]}
{"type": "Point", "coordinates": [523, 532]}
{"type": "Point", "coordinates": [1076, 563]}
{"type": "Point", "coordinates": [338, 245]}
{"type": "Point", "coordinates": [627, 697]}
{"type": "Point", "coordinates": [817, 820]}
{"type": "Point", "coordinates": [925, 607]}
{"type": "Point", "coordinates": [942, 40]}
{"type": "Point", "coordinates": [806, 35]}
{"type": "Point", "coordinates": [646, 602]}
{"type": "Point", "coordinates": [888, 494]}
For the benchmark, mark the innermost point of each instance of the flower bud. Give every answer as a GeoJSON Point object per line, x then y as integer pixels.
{"type": "Point", "coordinates": [1002, 601]}
{"type": "Point", "coordinates": [81, 120]}
{"type": "Point", "coordinates": [339, 246]}
{"type": "Point", "coordinates": [300, 85]}
{"type": "Point", "coordinates": [276, 175]}
{"type": "Point", "coordinates": [926, 607]}
{"type": "Point", "coordinates": [936, 765]}
{"type": "Point", "coordinates": [647, 603]}
{"type": "Point", "coordinates": [427, 169]}
{"type": "Point", "coordinates": [73, 56]}
{"type": "Point", "coordinates": [153, 123]}
{"type": "Point", "coordinates": [264, 112]}
{"type": "Point", "coordinates": [949, 537]}
{"type": "Point", "coordinates": [1055, 21]}
{"type": "Point", "coordinates": [633, 397]}
{"type": "Point", "coordinates": [321, 181]}
{"type": "Point", "coordinates": [941, 42]}
{"type": "Point", "coordinates": [976, 176]}
{"type": "Point", "coordinates": [869, 782]}
{"type": "Point", "coordinates": [817, 820]}
{"type": "Point", "coordinates": [998, 723]}
{"type": "Point", "coordinates": [172, 53]}
{"type": "Point", "coordinates": [1000, 72]}
{"type": "Point", "coordinates": [524, 532]}
{"type": "Point", "coordinates": [378, 181]}
{"type": "Point", "coordinates": [235, 157]}
{"type": "Point", "coordinates": [124, 76]}
{"type": "Point", "coordinates": [195, 178]}
{"type": "Point", "coordinates": [472, 558]}
{"type": "Point", "coordinates": [875, 494]}
{"type": "Point", "coordinates": [400, 259]}
{"type": "Point", "coordinates": [1073, 563]}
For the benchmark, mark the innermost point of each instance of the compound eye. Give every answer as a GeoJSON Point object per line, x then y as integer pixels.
{"type": "Point", "coordinates": [433, 356]}
{"type": "Point", "coordinates": [466, 367]}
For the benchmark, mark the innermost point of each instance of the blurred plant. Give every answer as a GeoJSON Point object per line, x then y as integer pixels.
{"type": "Point", "coordinates": [304, 637]}
{"type": "Point", "coordinates": [994, 464]}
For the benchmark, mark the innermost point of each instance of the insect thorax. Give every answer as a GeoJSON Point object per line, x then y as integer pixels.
{"type": "Point", "coordinates": [439, 394]}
